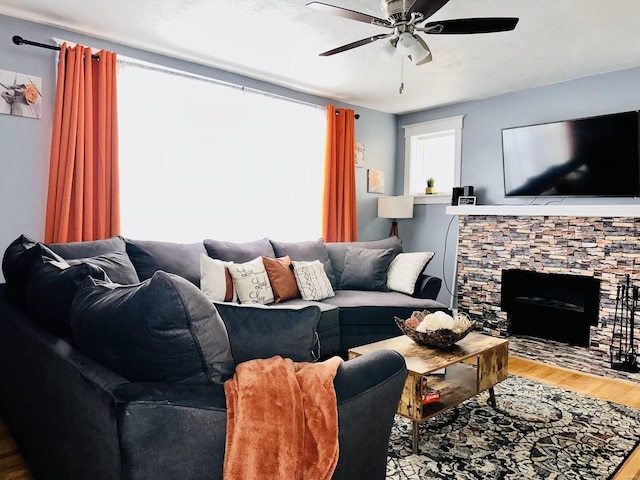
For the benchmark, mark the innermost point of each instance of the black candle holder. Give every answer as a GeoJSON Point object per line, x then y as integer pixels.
{"type": "Point", "coordinates": [622, 350]}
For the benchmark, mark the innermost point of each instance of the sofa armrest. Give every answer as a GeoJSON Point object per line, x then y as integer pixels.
{"type": "Point", "coordinates": [427, 286]}
{"type": "Point", "coordinates": [171, 430]}
{"type": "Point", "coordinates": [368, 390]}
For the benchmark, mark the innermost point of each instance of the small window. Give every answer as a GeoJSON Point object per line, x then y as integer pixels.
{"type": "Point", "coordinates": [433, 150]}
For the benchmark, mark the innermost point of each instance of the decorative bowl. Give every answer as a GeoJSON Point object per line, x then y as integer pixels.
{"type": "Point", "coordinates": [440, 338]}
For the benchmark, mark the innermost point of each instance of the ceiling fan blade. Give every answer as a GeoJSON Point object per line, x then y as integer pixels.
{"type": "Point", "coordinates": [350, 14]}
{"type": "Point", "coordinates": [359, 43]}
{"type": "Point", "coordinates": [470, 25]}
{"type": "Point", "coordinates": [427, 7]}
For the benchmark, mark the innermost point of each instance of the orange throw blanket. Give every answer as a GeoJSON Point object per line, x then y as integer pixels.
{"type": "Point", "coordinates": [282, 420]}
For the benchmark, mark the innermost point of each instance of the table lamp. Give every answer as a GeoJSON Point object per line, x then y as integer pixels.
{"type": "Point", "coordinates": [394, 208]}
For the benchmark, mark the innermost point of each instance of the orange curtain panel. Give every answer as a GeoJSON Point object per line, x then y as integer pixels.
{"type": "Point", "coordinates": [83, 201]}
{"type": "Point", "coordinates": [339, 221]}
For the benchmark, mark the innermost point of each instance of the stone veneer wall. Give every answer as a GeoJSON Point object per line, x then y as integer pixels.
{"type": "Point", "coordinates": [606, 248]}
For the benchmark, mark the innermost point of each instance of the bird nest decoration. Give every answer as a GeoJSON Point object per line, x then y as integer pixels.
{"type": "Point", "coordinates": [438, 329]}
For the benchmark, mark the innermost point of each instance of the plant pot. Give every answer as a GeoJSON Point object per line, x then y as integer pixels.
{"type": "Point", "coordinates": [430, 190]}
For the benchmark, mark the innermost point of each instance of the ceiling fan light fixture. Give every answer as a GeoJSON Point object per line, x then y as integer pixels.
{"type": "Point", "coordinates": [388, 51]}
{"type": "Point", "coordinates": [411, 46]}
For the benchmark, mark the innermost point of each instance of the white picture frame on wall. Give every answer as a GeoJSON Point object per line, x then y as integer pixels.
{"type": "Point", "coordinates": [359, 154]}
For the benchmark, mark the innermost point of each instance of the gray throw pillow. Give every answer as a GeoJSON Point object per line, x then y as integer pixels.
{"type": "Point", "coordinates": [17, 262]}
{"type": "Point", "coordinates": [263, 332]}
{"type": "Point", "coordinates": [116, 265]}
{"type": "Point", "coordinates": [51, 288]}
{"type": "Point", "coordinates": [161, 330]}
{"type": "Point", "coordinates": [366, 268]}
{"type": "Point", "coordinates": [338, 250]}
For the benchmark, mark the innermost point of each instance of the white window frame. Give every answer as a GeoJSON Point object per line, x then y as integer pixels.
{"type": "Point", "coordinates": [430, 128]}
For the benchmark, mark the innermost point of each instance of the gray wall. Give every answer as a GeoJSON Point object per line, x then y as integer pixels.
{"type": "Point", "coordinates": [25, 142]}
{"type": "Point", "coordinates": [482, 147]}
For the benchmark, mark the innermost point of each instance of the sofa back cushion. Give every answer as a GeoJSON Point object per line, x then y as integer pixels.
{"type": "Point", "coordinates": [182, 259]}
{"type": "Point", "coordinates": [258, 331]}
{"type": "Point", "coordinates": [161, 330]}
{"type": "Point", "coordinates": [307, 251]}
{"type": "Point", "coordinates": [73, 250]}
{"type": "Point", "coordinates": [17, 262]}
{"type": "Point", "coordinates": [51, 288]}
{"type": "Point", "coordinates": [239, 252]}
{"type": "Point", "coordinates": [338, 251]}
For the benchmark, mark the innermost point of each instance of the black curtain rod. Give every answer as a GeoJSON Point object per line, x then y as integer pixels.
{"type": "Point", "coordinates": [357, 115]}
{"type": "Point", "coordinates": [18, 40]}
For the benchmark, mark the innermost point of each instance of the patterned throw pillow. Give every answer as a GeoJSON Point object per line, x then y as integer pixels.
{"type": "Point", "coordinates": [312, 280]}
{"type": "Point", "coordinates": [405, 270]}
{"type": "Point", "coordinates": [251, 282]}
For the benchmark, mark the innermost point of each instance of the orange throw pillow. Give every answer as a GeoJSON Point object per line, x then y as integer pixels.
{"type": "Point", "coordinates": [283, 283]}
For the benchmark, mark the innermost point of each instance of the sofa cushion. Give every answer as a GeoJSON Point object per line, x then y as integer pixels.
{"type": "Point", "coordinates": [312, 280]}
{"type": "Point", "coordinates": [283, 282]}
{"type": "Point", "coordinates": [371, 307]}
{"type": "Point", "coordinates": [72, 250]}
{"type": "Point", "coordinates": [215, 280]}
{"type": "Point", "coordinates": [338, 250]}
{"type": "Point", "coordinates": [182, 259]}
{"type": "Point", "coordinates": [366, 268]}
{"type": "Point", "coordinates": [51, 288]}
{"type": "Point", "coordinates": [17, 261]}
{"type": "Point", "coordinates": [257, 331]}
{"type": "Point", "coordinates": [306, 251]}
{"type": "Point", "coordinates": [239, 252]}
{"type": "Point", "coordinates": [251, 282]}
{"type": "Point", "coordinates": [161, 330]}
{"type": "Point", "coordinates": [116, 265]}
{"type": "Point", "coordinates": [405, 269]}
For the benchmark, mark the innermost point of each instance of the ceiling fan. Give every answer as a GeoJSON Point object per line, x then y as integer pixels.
{"type": "Point", "coordinates": [404, 17]}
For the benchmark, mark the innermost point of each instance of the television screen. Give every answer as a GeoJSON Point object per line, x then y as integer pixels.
{"type": "Point", "coordinates": [595, 156]}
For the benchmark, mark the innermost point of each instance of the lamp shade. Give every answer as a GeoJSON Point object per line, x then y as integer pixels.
{"type": "Point", "coordinates": [395, 207]}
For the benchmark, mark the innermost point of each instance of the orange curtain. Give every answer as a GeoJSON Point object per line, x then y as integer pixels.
{"type": "Point", "coordinates": [83, 202]}
{"type": "Point", "coordinates": [339, 221]}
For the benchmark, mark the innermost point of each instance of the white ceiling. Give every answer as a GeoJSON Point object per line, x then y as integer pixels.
{"type": "Point", "coordinates": [279, 41]}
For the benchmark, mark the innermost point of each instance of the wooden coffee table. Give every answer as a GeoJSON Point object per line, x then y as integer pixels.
{"type": "Point", "coordinates": [474, 364]}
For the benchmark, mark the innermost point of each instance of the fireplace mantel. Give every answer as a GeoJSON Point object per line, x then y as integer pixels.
{"type": "Point", "coordinates": [630, 210]}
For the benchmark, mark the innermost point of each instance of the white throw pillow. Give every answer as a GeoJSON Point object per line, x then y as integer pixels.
{"type": "Point", "coordinates": [312, 280]}
{"type": "Point", "coordinates": [213, 280]}
{"type": "Point", "coordinates": [251, 281]}
{"type": "Point", "coordinates": [405, 269]}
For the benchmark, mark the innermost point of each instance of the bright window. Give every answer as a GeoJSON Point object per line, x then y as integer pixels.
{"type": "Point", "coordinates": [202, 159]}
{"type": "Point", "coordinates": [433, 150]}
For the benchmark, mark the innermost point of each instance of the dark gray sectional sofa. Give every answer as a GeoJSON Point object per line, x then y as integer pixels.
{"type": "Point", "coordinates": [89, 385]}
{"type": "Point", "coordinates": [350, 318]}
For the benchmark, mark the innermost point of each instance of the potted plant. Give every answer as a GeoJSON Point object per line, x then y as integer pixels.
{"type": "Point", "coordinates": [430, 186]}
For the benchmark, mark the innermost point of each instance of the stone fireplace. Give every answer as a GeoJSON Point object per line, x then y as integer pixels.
{"type": "Point", "coordinates": [537, 239]}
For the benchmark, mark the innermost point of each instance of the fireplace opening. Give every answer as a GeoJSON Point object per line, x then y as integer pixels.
{"type": "Point", "coordinates": [549, 305]}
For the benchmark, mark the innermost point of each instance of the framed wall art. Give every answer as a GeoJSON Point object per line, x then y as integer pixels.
{"type": "Point", "coordinates": [20, 94]}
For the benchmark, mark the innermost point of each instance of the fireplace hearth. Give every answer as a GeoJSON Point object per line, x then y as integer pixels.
{"type": "Point", "coordinates": [559, 307]}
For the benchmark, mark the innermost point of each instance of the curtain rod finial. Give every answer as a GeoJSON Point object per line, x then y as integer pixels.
{"type": "Point", "coordinates": [18, 40]}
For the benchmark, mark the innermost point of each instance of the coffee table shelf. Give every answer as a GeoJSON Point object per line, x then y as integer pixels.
{"type": "Point", "coordinates": [474, 364]}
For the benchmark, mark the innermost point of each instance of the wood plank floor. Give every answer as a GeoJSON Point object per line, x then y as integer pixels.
{"type": "Point", "coordinates": [12, 466]}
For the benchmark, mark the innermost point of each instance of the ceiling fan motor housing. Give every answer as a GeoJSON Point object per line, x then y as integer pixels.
{"type": "Point", "coordinates": [395, 9]}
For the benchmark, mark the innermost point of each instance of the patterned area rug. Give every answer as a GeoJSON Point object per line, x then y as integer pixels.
{"type": "Point", "coordinates": [537, 432]}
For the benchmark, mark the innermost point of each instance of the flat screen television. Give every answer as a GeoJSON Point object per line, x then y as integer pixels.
{"type": "Point", "coordinates": [595, 156]}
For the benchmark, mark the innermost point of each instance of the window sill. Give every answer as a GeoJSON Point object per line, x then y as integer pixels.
{"type": "Point", "coordinates": [436, 198]}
